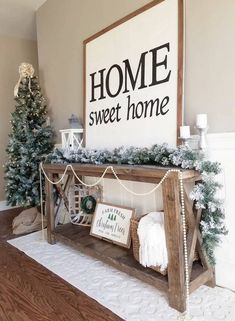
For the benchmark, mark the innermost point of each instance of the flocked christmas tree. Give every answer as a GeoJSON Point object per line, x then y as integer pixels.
{"type": "Point", "coordinates": [31, 139]}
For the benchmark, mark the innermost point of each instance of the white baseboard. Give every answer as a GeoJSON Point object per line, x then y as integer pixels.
{"type": "Point", "coordinates": [4, 206]}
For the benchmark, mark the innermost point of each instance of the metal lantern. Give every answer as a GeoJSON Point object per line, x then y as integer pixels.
{"type": "Point", "coordinates": [71, 138]}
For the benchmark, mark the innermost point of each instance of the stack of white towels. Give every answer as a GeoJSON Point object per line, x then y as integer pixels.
{"type": "Point", "coordinates": [151, 232]}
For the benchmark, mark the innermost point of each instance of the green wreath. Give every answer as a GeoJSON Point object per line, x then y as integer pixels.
{"type": "Point", "coordinates": [88, 204]}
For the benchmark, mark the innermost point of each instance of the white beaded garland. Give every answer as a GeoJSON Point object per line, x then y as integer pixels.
{"type": "Point", "coordinates": [185, 316]}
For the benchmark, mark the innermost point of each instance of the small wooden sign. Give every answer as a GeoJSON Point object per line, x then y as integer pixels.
{"type": "Point", "coordinates": [112, 223]}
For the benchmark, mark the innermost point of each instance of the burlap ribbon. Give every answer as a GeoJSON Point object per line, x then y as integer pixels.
{"type": "Point", "coordinates": [26, 71]}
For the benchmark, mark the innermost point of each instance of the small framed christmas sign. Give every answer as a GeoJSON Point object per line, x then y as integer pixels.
{"type": "Point", "coordinates": [112, 223]}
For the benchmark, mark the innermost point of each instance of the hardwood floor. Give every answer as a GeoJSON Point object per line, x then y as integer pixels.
{"type": "Point", "coordinates": [6, 218]}
{"type": "Point", "coordinates": [30, 292]}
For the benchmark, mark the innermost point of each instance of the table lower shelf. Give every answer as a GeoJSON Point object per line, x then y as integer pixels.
{"type": "Point", "coordinates": [120, 258]}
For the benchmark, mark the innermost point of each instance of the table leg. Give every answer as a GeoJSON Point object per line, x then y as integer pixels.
{"type": "Point", "coordinates": [174, 242]}
{"type": "Point", "coordinates": [50, 210]}
{"type": "Point", "coordinates": [212, 282]}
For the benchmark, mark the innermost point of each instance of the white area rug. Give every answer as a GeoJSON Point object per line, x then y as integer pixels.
{"type": "Point", "coordinates": [126, 296]}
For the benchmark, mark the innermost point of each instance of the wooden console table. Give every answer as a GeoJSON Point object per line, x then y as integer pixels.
{"type": "Point", "coordinates": [174, 283]}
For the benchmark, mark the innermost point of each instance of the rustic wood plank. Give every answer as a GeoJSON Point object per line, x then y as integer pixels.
{"type": "Point", "coordinates": [174, 241]}
{"type": "Point", "coordinates": [193, 218]}
{"type": "Point", "coordinates": [199, 247]}
{"type": "Point", "coordinates": [192, 241]}
{"type": "Point", "coordinates": [50, 209]}
{"type": "Point", "coordinates": [190, 219]}
{"type": "Point", "coordinates": [127, 172]}
{"type": "Point", "coordinates": [202, 278]}
{"type": "Point", "coordinates": [212, 282]}
{"type": "Point", "coordinates": [61, 190]}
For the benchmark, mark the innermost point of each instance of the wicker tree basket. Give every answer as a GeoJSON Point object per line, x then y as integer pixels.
{"type": "Point", "coordinates": [136, 244]}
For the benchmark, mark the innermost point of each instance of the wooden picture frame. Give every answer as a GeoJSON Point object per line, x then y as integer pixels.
{"type": "Point", "coordinates": [112, 223]}
{"type": "Point", "coordinates": [108, 119]}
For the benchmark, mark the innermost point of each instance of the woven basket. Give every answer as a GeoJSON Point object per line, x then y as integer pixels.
{"type": "Point", "coordinates": [136, 244]}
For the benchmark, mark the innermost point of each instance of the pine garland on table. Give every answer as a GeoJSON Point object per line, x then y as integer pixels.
{"type": "Point", "coordinates": [204, 193]}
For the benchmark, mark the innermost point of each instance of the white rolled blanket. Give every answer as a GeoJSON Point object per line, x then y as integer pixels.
{"type": "Point", "coordinates": [151, 232]}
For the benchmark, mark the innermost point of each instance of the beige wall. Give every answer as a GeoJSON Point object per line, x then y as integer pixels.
{"type": "Point", "coordinates": [13, 51]}
{"type": "Point", "coordinates": [210, 64]}
{"type": "Point", "coordinates": [61, 28]}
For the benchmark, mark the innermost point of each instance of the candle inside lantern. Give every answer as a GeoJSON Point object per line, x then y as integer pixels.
{"type": "Point", "coordinates": [184, 132]}
{"type": "Point", "coordinates": [201, 121]}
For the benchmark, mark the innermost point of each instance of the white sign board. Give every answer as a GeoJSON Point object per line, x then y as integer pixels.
{"type": "Point", "coordinates": [132, 73]}
{"type": "Point", "coordinates": [112, 223]}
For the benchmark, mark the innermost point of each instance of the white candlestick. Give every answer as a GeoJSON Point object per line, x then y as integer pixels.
{"type": "Point", "coordinates": [201, 121]}
{"type": "Point", "coordinates": [184, 132]}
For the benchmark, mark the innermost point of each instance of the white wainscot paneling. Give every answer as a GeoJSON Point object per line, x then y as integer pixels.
{"type": "Point", "coordinates": [114, 193]}
{"type": "Point", "coordinates": [221, 148]}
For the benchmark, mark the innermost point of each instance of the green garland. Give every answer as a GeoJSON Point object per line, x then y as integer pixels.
{"type": "Point", "coordinates": [204, 194]}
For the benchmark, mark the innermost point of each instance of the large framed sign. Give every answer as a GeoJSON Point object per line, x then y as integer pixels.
{"type": "Point", "coordinates": [112, 223]}
{"type": "Point", "coordinates": [133, 78]}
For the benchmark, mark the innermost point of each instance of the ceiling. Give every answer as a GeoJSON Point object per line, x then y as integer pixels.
{"type": "Point", "coordinates": [17, 17]}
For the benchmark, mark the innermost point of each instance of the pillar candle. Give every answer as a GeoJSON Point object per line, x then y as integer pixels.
{"type": "Point", "coordinates": [184, 132]}
{"type": "Point", "coordinates": [201, 121]}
